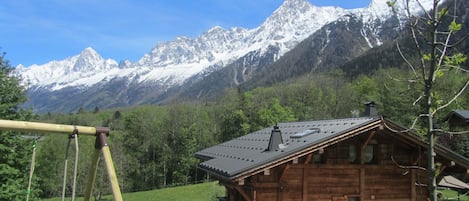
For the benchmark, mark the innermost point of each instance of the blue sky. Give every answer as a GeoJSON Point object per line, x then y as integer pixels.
{"type": "Point", "coordinates": [38, 31]}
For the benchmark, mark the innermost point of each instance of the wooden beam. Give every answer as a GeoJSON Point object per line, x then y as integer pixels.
{"type": "Point", "coordinates": [265, 185]}
{"type": "Point", "coordinates": [243, 193]}
{"type": "Point", "coordinates": [308, 158]}
{"type": "Point", "coordinates": [295, 161]}
{"type": "Point", "coordinates": [254, 195]}
{"type": "Point", "coordinates": [282, 174]}
{"type": "Point", "coordinates": [362, 149]}
{"type": "Point", "coordinates": [368, 140]}
{"type": "Point", "coordinates": [362, 183]}
{"type": "Point", "coordinates": [267, 172]}
{"type": "Point", "coordinates": [362, 162]}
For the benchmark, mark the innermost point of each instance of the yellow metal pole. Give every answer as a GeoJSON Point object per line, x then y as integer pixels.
{"type": "Point", "coordinates": [99, 132]}
{"type": "Point", "coordinates": [116, 191]}
{"type": "Point", "coordinates": [110, 167]}
{"type": "Point", "coordinates": [92, 174]}
{"type": "Point", "coordinates": [45, 127]}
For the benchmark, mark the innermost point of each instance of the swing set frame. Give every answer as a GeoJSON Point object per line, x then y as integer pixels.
{"type": "Point", "coordinates": [101, 146]}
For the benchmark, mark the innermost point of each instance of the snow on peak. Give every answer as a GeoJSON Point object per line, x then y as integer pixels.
{"type": "Point", "coordinates": [125, 64]}
{"type": "Point", "coordinates": [292, 22]}
{"type": "Point", "coordinates": [71, 71]}
{"type": "Point", "coordinates": [173, 62]}
{"type": "Point", "coordinates": [89, 60]}
{"type": "Point", "coordinates": [215, 29]}
{"type": "Point", "coordinates": [294, 4]}
{"type": "Point", "coordinates": [381, 9]}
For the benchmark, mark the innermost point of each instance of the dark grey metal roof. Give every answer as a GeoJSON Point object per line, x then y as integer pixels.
{"type": "Point", "coordinates": [234, 157]}
{"type": "Point", "coordinates": [463, 114]}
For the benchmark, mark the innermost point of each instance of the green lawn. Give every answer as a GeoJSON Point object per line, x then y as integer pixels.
{"type": "Point", "coordinates": [197, 192]}
{"type": "Point", "coordinates": [205, 192]}
{"type": "Point", "coordinates": [453, 195]}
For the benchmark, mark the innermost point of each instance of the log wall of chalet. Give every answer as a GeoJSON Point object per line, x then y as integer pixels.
{"type": "Point", "coordinates": [394, 173]}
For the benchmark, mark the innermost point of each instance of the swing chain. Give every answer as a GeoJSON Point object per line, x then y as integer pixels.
{"type": "Point", "coordinates": [31, 169]}
{"type": "Point", "coordinates": [74, 135]}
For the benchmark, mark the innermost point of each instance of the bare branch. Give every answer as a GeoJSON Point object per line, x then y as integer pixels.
{"type": "Point", "coordinates": [402, 131]}
{"type": "Point", "coordinates": [459, 41]}
{"type": "Point", "coordinates": [407, 166]}
{"type": "Point", "coordinates": [450, 132]}
{"type": "Point", "coordinates": [453, 99]}
{"type": "Point", "coordinates": [405, 59]}
{"type": "Point", "coordinates": [443, 53]}
{"type": "Point", "coordinates": [457, 68]}
{"type": "Point", "coordinates": [418, 99]}
{"type": "Point", "coordinates": [421, 7]}
{"type": "Point", "coordinates": [419, 51]}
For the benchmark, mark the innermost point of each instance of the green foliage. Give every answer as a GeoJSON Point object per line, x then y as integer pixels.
{"type": "Point", "coordinates": [14, 150]}
{"type": "Point", "coordinates": [392, 5]}
{"type": "Point", "coordinates": [454, 27]}
{"type": "Point", "coordinates": [12, 94]}
{"type": "Point", "coordinates": [234, 124]}
{"type": "Point", "coordinates": [14, 160]}
{"type": "Point", "coordinates": [455, 60]}
{"type": "Point", "coordinates": [365, 88]}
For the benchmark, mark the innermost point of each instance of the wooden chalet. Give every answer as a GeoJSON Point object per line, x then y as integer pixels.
{"type": "Point", "coordinates": [366, 158]}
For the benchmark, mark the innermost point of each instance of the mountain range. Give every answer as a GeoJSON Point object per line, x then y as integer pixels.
{"type": "Point", "coordinates": [196, 68]}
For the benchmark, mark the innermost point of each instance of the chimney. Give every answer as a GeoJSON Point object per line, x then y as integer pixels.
{"type": "Point", "coordinates": [370, 109]}
{"type": "Point", "coordinates": [275, 139]}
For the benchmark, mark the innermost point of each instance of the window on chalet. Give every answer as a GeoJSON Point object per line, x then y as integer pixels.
{"type": "Point", "coordinates": [369, 155]}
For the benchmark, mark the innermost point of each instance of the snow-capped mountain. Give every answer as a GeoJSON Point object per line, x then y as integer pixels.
{"type": "Point", "coordinates": [84, 70]}
{"type": "Point", "coordinates": [186, 60]}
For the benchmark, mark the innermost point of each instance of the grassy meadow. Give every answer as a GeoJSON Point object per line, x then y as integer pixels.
{"type": "Point", "coordinates": [197, 192]}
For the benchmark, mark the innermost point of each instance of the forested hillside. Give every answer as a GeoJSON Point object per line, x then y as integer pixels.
{"type": "Point", "coordinates": [152, 146]}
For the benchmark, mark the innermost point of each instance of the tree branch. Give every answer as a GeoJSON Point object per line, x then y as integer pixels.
{"type": "Point", "coordinates": [457, 68]}
{"type": "Point", "coordinates": [407, 166]}
{"type": "Point", "coordinates": [418, 48]}
{"type": "Point", "coordinates": [459, 41]}
{"type": "Point", "coordinates": [405, 59]}
{"type": "Point", "coordinates": [450, 132]}
{"type": "Point", "coordinates": [453, 99]}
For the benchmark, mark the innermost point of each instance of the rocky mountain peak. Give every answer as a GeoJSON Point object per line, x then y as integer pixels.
{"type": "Point", "coordinates": [187, 60]}
{"type": "Point", "coordinates": [88, 60]}
{"type": "Point", "coordinates": [381, 9]}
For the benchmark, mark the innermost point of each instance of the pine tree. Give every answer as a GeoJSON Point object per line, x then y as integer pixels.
{"type": "Point", "coordinates": [14, 150]}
